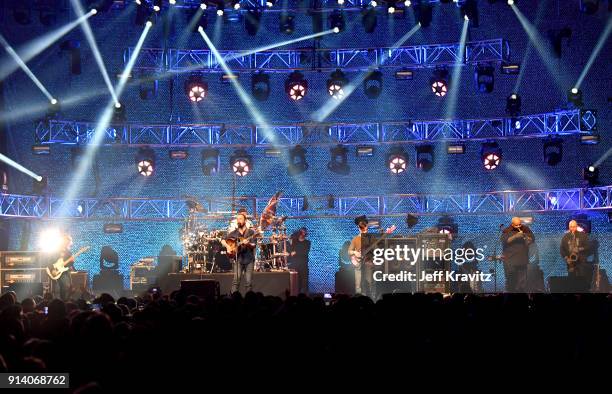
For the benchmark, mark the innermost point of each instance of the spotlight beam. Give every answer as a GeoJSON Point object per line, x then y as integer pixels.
{"type": "Point", "coordinates": [539, 43]}
{"type": "Point", "coordinates": [455, 82]}
{"type": "Point", "coordinates": [19, 167]}
{"type": "Point", "coordinates": [128, 68]}
{"type": "Point", "coordinates": [280, 44]}
{"type": "Point", "coordinates": [102, 124]}
{"type": "Point", "coordinates": [76, 4]}
{"type": "Point", "coordinates": [330, 106]}
{"type": "Point", "coordinates": [603, 158]}
{"type": "Point", "coordinates": [519, 79]}
{"type": "Point", "coordinates": [25, 68]}
{"type": "Point", "coordinates": [242, 94]}
{"type": "Point", "coordinates": [21, 111]}
{"type": "Point", "coordinates": [37, 45]}
{"type": "Point", "coordinates": [600, 43]}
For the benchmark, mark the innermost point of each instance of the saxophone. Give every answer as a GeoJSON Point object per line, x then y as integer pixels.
{"type": "Point", "coordinates": [572, 259]}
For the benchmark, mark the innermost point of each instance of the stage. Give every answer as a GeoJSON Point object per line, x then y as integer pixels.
{"type": "Point", "coordinates": [268, 283]}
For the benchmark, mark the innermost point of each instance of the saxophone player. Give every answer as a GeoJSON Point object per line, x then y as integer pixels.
{"type": "Point", "coordinates": [574, 248]}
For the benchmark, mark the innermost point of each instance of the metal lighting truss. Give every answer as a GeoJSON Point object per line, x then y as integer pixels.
{"type": "Point", "coordinates": [152, 209]}
{"type": "Point", "coordinates": [561, 122]}
{"type": "Point", "coordinates": [321, 59]}
{"type": "Point", "coordinates": [294, 6]}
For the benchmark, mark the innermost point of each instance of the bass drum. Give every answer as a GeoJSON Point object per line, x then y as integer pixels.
{"type": "Point", "coordinates": [218, 253]}
{"type": "Point", "coordinates": [266, 251]}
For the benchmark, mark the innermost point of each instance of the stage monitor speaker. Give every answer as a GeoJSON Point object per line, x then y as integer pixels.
{"type": "Point", "coordinates": [108, 281]}
{"type": "Point", "coordinates": [345, 281]}
{"type": "Point", "coordinates": [567, 284]}
{"type": "Point", "coordinates": [79, 280]}
{"type": "Point", "coordinates": [204, 288]}
{"type": "Point", "coordinates": [26, 290]}
{"type": "Point", "coordinates": [169, 264]}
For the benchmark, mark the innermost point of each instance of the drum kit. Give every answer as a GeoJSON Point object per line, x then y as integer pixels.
{"type": "Point", "coordinates": [205, 251]}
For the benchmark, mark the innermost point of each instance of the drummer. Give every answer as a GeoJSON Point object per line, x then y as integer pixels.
{"type": "Point", "coordinates": [234, 224]}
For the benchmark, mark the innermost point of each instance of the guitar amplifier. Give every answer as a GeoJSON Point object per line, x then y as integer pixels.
{"type": "Point", "coordinates": [79, 280]}
{"type": "Point", "coordinates": [23, 279]}
{"type": "Point", "coordinates": [20, 276]}
{"type": "Point", "coordinates": [142, 277]}
{"type": "Point", "coordinates": [395, 266]}
{"type": "Point", "coordinates": [17, 259]}
{"type": "Point", "coordinates": [433, 246]}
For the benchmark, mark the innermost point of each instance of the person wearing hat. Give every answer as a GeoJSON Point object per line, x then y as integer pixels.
{"type": "Point", "coordinates": [361, 267]}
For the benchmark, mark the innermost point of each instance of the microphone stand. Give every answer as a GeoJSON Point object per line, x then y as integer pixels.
{"type": "Point", "coordinates": [496, 258]}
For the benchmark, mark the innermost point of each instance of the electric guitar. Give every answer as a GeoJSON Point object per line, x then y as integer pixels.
{"type": "Point", "coordinates": [56, 269]}
{"type": "Point", "coordinates": [357, 256]}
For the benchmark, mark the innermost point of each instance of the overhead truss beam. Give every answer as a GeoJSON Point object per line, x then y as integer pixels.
{"type": "Point", "coordinates": [562, 122]}
{"type": "Point", "coordinates": [351, 59]}
{"type": "Point", "coordinates": [152, 209]}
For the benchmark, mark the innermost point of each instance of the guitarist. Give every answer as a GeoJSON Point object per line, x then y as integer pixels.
{"type": "Point", "coordinates": [361, 267]}
{"type": "Point", "coordinates": [245, 253]}
{"type": "Point", "coordinates": [64, 283]}
{"type": "Point", "coordinates": [574, 248]}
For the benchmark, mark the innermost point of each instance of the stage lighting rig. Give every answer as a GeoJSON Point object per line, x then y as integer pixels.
{"type": "Point", "coordinates": [424, 157]}
{"type": "Point", "coordinates": [469, 10]}
{"type": "Point", "coordinates": [287, 23]}
{"type": "Point", "coordinates": [336, 84]}
{"type": "Point", "coordinates": [574, 98]}
{"type": "Point", "coordinates": [241, 163]}
{"type": "Point", "coordinates": [439, 82]}
{"type": "Point", "coordinates": [513, 105]}
{"type": "Point", "coordinates": [211, 163]}
{"type": "Point", "coordinates": [260, 86]}
{"type": "Point", "coordinates": [484, 77]}
{"type": "Point", "coordinates": [145, 161]}
{"type": "Point", "coordinates": [297, 161]}
{"type": "Point", "coordinates": [336, 21]}
{"type": "Point", "coordinates": [552, 150]}
{"type": "Point", "coordinates": [296, 86]}
{"type": "Point", "coordinates": [491, 155]}
{"type": "Point", "coordinates": [252, 21]}
{"type": "Point", "coordinates": [119, 114]}
{"type": "Point", "coordinates": [157, 5]}
{"type": "Point", "coordinates": [143, 14]}
{"type": "Point", "coordinates": [397, 161]}
{"type": "Point", "coordinates": [339, 161]}
{"type": "Point", "coordinates": [22, 12]}
{"type": "Point", "coordinates": [196, 88]}
{"type": "Point", "coordinates": [373, 84]}
{"type": "Point", "coordinates": [369, 20]}
{"type": "Point", "coordinates": [447, 225]}
{"type": "Point", "coordinates": [423, 12]}
{"type": "Point", "coordinates": [590, 175]}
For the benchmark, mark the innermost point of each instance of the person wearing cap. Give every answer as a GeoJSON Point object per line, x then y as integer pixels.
{"type": "Point", "coordinates": [361, 267]}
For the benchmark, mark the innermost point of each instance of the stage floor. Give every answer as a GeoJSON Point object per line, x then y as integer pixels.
{"type": "Point", "coordinates": [268, 283]}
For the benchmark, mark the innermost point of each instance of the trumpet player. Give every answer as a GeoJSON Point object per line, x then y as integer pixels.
{"type": "Point", "coordinates": [574, 248]}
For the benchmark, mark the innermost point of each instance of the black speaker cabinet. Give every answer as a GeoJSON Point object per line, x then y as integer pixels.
{"type": "Point", "coordinates": [567, 284]}
{"type": "Point", "coordinates": [26, 290]}
{"type": "Point", "coordinates": [204, 288]}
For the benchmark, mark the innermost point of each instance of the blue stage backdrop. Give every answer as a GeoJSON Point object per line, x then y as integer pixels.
{"type": "Point", "coordinates": [542, 88]}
